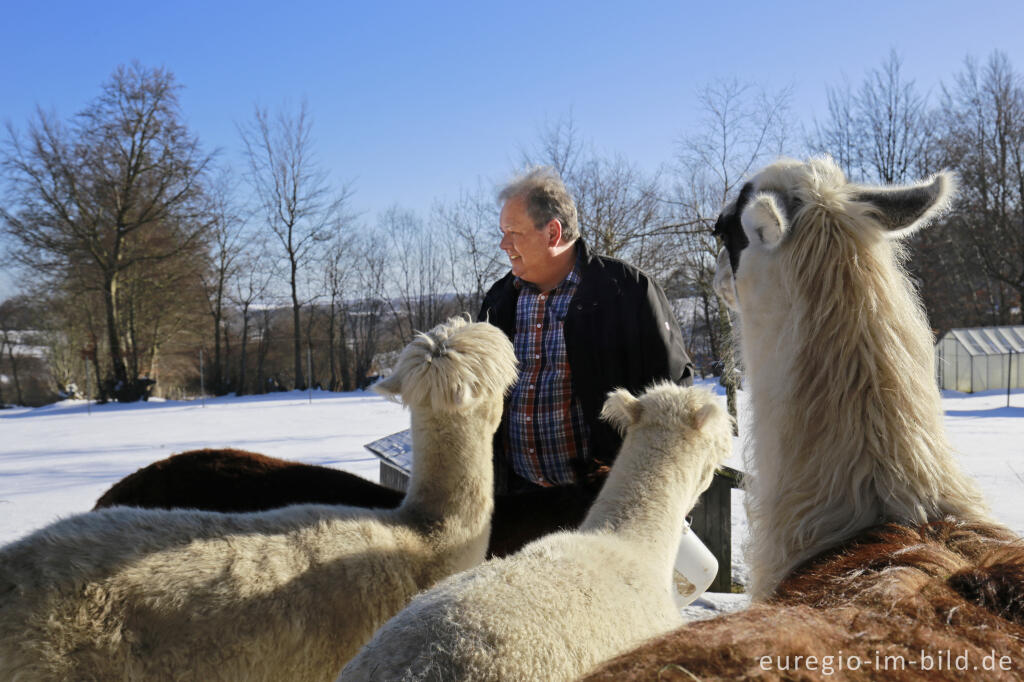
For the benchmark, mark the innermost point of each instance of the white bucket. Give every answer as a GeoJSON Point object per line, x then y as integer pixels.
{"type": "Point", "coordinates": [695, 568]}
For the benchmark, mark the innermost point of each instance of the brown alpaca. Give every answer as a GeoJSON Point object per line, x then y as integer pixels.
{"type": "Point", "coordinates": [231, 480]}
{"type": "Point", "coordinates": [872, 555]}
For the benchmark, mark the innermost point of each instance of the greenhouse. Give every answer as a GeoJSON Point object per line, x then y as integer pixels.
{"type": "Point", "coordinates": [981, 359]}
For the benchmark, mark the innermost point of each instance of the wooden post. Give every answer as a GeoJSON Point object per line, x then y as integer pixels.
{"type": "Point", "coordinates": [711, 520]}
{"type": "Point", "coordinates": [393, 477]}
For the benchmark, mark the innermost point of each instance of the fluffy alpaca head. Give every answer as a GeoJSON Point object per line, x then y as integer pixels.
{"type": "Point", "coordinates": [664, 403]}
{"type": "Point", "coordinates": [665, 416]}
{"type": "Point", "coordinates": [456, 364]}
{"type": "Point", "coordinates": [839, 359]}
{"type": "Point", "coordinates": [674, 438]}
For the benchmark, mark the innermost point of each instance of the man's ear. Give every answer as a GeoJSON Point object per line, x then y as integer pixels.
{"type": "Point", "coordinates": [554, 228]}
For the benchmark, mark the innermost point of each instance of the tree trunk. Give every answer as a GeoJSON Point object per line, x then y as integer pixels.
{"type": "Point", "coordinates": [119, 374]}
{"type": "Point", "coordinates": [14, 373]}
{"type": "Point", "coordinates": [730, 377]}
{"type": "Point", "coordinates": [331, 338]}
{"type": "Point", "coordinates": [300, 383]}
{"type": "Point", "coordinates": [344, 356]}
{"type": "Point", "coordinates": [3, 342]}
{"type": "Point", "coordinates": [218, 374]}
{"type": "Point", "coordinates": [244, 342]}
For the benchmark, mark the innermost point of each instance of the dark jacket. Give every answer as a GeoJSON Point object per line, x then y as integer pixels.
{"type": "Point", "coordinates": [619, 332]}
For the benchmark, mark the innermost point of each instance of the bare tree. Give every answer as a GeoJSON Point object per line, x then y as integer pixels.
{"type": "Point", "coordinates": [839, 136]}
{"type": "Point", "coordinates": [299, 206]}
{"type": "Point", "coordinates": [249, 284]}
{"type": "Point", "coordinates": [417, 272]}
{"type": "Point", "coordinates": [119, 188]}
{"type": "Point", "coordinates": [880, 133]}
{"type": "Point", "coordinates": [12, 314]}
{"type": "Point", "coordinates": [364, 316]}
{"type": "Point", "coordinates": [983, 139]}
{"type": "Point", "coordinates": [742, 127]}
{"type": "Point", "coordinates": [892, 115]}
{"type": "Point", "coordinates": [228, 236]}
{"type": "Point", "coordinates": [473, 262]}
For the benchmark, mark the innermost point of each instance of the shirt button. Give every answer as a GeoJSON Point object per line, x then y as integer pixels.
{"type": "Point", "coordinates": [537, 356]}
{"type": "Point", "coordinates": [539, 326]}
{"type": "Point", "coordinates": [531, 450]}
{"type": "Point", "coordinates": [542, 297]}
{"type": "Point", "coordinates": [532, 386]}
{"type": "Point", "coordinates": [529, 419]}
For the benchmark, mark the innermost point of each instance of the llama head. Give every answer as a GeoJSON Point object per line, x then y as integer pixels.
{"type": "Point", "coordinates": [457, 364]}
{"type": "Point", "coordinates": [664, 405]}
{"type": "Point", "coordinates": [782, 210]}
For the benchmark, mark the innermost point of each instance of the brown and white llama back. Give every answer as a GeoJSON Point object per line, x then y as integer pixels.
{"type": "Point", "coordinates": [847, 418]}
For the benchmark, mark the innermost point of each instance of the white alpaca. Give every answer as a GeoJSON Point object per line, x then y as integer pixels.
{"type": "Point", "coordinates": [847, 419]}
{"type": "Point", "coordinates": [289, 594]}
{"type": "Point", "coordinates": [570, 600]}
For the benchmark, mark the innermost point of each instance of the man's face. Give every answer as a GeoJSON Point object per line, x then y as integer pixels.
{"type": "Point", "coordinates": [525, 245]}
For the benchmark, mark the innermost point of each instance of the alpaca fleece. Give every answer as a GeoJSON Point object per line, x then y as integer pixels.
{"type": "Point", "coordinates": [230, 480]}
{"type": "Point", "coordinates": [571, 600]}
{"type": "Point", "coordinates": [290, 594]}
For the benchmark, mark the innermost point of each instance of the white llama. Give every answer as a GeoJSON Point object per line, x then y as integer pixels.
{"type": "Point", "coordinates": [868, 543]}
{"type": "Point", "coordinates": [289, 594]}
{"type": "Point", "coordinates": [570, 600]}
{"type": "Point", "coordinates": [847, 420]}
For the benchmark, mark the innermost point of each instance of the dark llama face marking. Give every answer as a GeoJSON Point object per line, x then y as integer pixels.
{"type": "Point", "coordinates": [729, 228]}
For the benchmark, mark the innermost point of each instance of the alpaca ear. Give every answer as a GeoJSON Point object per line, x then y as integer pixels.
{"type": "Point", "coordinates": [762, 220]}
{"type": "Point", "coordinates": [704, 414]}
{"type": "Point", "coordinates": [902, 210]}
{"type": "Point", "coordinates": [389, 387]}
{"type": "Point", "coordinates": [621, 409]}
{"type": "Point", "coordinates": [725, 285]}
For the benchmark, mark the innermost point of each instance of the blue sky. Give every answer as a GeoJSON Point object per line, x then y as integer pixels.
{"type": "Point", "coordinates": [413, 101]}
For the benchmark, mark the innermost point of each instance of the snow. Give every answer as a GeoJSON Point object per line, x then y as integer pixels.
{"type": "Point", "coordinates": [57, 460]}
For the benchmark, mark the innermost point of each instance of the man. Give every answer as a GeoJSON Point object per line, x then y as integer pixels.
{"type": "Point", "coordinates": [581, 325]}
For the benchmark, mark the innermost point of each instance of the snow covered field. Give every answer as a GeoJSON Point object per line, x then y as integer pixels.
{"type": "Point", "coordinates": [57, 460]}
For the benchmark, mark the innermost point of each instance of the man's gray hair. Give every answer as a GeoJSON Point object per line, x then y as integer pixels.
{"type": "Point", "coordinates": [546, 198]}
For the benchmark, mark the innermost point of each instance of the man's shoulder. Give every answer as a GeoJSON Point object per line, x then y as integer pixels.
{"type": "Point", "coordinates": [497, 296]}
{"type": "Point", "coordinates": [611, 268]}
{"type": "Point", "coordinates": [501, 285]}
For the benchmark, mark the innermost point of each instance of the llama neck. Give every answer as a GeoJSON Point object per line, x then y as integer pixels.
{"type": "Point", "coordinates": [452, 482]}
{"type": "Point", "coordinates": [649, 491]}
{"type": "Point", "coordinates": [848, 425]}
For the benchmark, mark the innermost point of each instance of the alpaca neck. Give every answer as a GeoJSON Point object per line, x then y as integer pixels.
{"type": "Point", "coordinates": [452, 481]}
{"type": "Point", "coordinates": [648, 494]}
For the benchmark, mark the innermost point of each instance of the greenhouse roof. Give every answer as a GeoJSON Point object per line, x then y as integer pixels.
{"type": "Point", "coordinates": [990, 340]}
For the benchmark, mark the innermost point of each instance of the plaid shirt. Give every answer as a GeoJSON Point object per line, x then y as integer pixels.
{"type": "Point", "coordinates": [545, 427]}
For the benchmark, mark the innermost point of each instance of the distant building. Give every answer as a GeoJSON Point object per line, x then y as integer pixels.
{"type": "Point", "coordinates": [980, 359]}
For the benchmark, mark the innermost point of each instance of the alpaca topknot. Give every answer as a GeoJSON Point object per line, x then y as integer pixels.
{"type": "Point", "coordinates": [456, 364]}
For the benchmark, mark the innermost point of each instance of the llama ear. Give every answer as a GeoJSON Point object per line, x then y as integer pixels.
{"type": "Point", "coordinates": [902, 210]}
{"type": "Point", "coordinates": [724, 284]}
{"type": "Point", "coordinates": [762, 220]}
{"type": "Point", "coordinates": [621, 409]}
